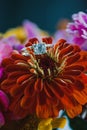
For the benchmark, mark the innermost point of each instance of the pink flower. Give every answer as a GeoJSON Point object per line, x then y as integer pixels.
{"type": "Point", "coordinates": [31, 29]}
{"type": "Point", "coordinates": [5, 51]}
{"type": "Point", "coordinates": [78, 29]}
{"type": "Point", "coordinates": [4, 102]}
{"type": "Point", "coordinates": [7, 45]}
{"type": "Point", "coordinates": [62, 34]}
{"type": "Point", "coordinates": [12, 42]}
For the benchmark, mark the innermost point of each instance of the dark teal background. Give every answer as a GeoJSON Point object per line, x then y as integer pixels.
{"type": "Point", "coordinates": [45, 13]}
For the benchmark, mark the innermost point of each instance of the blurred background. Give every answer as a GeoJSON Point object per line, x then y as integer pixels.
{"type": "Point", "coordinates": [45, 13]}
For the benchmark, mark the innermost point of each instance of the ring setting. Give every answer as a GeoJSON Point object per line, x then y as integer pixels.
{"type": "Point", "coordinates": [38, 49]}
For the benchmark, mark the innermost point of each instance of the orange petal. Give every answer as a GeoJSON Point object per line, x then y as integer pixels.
{"type": "Point", "coordinates": [59, 94]}
{"type": "Point", "coordinates": [81, 97]}
{"type": "Point", "coordinates": [31, 41]}
{"type": "Point", "coordinates": [75, 67]}
{"type": "Point", "coordinates": [16, 74]}
{"type": "Point", "coordinates": [23, 78]}
{"type": "Point", "coordinates": [16, 90]}
{"type": "Point", "coordinates": [18, 57]}
{"type": "Point", "coordinates": [84, 78]}
{"type": "Point", "coordinates": [60, 81]}
{"type": "Point", "coordinates": [49, 92]}
{"type": "Point", "coordinates": [65, 51]}
{"type": "Point", "coordinates": [42, 98]}
{"type": "Point", "coordinates": [11, 68]}
{"type": "Point", "coordinates": [55, 89]}
{"type": "Point", "coordinates": [72, 59]}
{"type": "Point", "coordinates": [83, 59]}
{"type": "Point", "coordinates": [45, 111]}
{"type": "Point", "coordinates": [47, 40]}
{"type": "Point", "coordinates": [78, 85]}
{"type": "Point", "coordinates": [29, 88]}
{"type": "Point", "coordinates": [72, 72]}
{"type": "Point", "coordinates": [7, 61]}
{"type": "Point", "coordinates": [59, 44]}
{"type": "Point", "coordinates": [75, 111]}
{"type": "Point", "coordinates": [38, 86]}
{"type": "Point", "coordinates": [42, 111]}
{"type": "Point", "coordinates": [16, 108]}
{"type": "Point", "coordinates": [76, 48]}
{"type": "Point", "coordinates": [7, 84]}
{"type": "Point", "coordinates": [28, 103]}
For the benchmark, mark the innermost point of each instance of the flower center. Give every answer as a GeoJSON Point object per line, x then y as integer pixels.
{"type": "Point", "coordinates": [45, 66]}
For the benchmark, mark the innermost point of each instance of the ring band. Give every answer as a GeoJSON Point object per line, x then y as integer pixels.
{"type": "Point", "coordinates": [38, 49]}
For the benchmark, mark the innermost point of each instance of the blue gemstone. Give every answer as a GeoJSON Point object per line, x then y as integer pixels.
{"type": "Point", "coordinates": [39, 48]}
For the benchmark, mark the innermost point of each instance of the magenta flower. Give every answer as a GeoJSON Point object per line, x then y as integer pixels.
{"type": "Point", "coordinates": [78, 29]}
{"type": "Point", "coordinates": [4, 103]}
{"type": "Point", "coordinates": [1, 72]}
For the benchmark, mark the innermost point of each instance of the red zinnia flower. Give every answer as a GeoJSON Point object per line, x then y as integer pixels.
{"type": "Point", "coordinates": [43, 81]}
